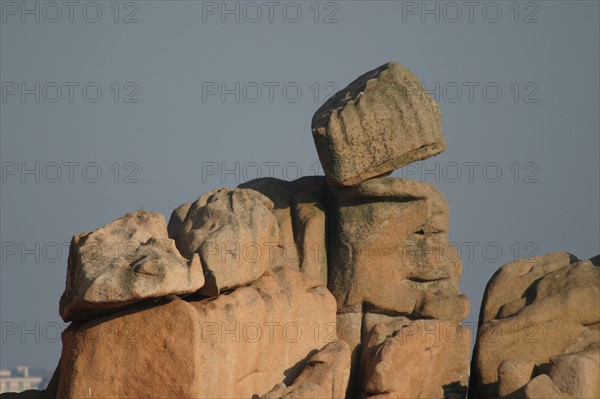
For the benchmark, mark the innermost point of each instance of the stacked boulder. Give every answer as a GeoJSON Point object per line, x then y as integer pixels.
{"type": "Point", "coordinates": [196, 309]}
{"type": "Point", "coordinates": [329, 287]}
{"type": "Point", "coordinates": [127, 261]}
{"type": "Point", "coordinates": [390, 267]}
{"type": "Point", "coordinates": [341, 286]}
{"type": "Point", "coordinates": [539, 331]}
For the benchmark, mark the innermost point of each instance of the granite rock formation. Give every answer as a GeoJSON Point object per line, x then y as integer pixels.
{"type": "Point", "coordinates": [127, 261]}
{"type": "Point", "coordinates": [341, 286]}
{"type": "Point", "coordinates": [533, 311]}
{"type": "Point", "coordinates": [260, 335]}
{"type": "Point", "coordinates": [415, 359]}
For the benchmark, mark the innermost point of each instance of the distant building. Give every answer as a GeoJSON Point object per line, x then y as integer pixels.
{"type": "Point", "coordinates": [18, 380]}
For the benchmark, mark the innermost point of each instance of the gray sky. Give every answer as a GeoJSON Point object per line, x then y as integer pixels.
{"type": "Point", "coordinates": [518, 87]}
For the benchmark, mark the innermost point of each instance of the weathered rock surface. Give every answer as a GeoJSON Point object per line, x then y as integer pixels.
{"type": "Point", "coordinates": [380, 122]}
{"type": "Point", "coordinates": [233, 231]}
{"type": "Point", "coordinates": [514, 374]}
{"type": "Point", "coordinates": [416, 359]}
{"type": "Point", "coordinates": [152, 353]}
{"type": "Point", "coordinates": [127, 261]}
{"type": "Point", "coordinates": [389, 253]}
{"type": "Point", "coordinates": [541, 387]}
{"type": "Point", "coordinates": [532, 310]}
{"type": "Point", "coordinates": [260, 335]}
{"type": "Point", "coordinates": [349, 327]}
{"type": "Point", "coordinates": [236, 345]}
{"type": "Point", "coordinates": [325, 376]}
{"type": "Point", "coordinates": [577, 374]}
{"type": "Point", "coordinates": [280, 193]}
{"type": "Point", "coordinates": [389, 259]}
{"type": "Point", "coordinates": [569, 376]}
{"type": "Point", "coordinates": [299, 207]}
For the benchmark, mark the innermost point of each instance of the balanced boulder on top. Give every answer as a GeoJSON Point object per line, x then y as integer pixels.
{"type": "Point", "coordinates": [380, 122]}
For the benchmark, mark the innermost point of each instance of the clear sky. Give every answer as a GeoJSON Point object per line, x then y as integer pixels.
{"type": "Point", "coordinates": [146, 103]}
